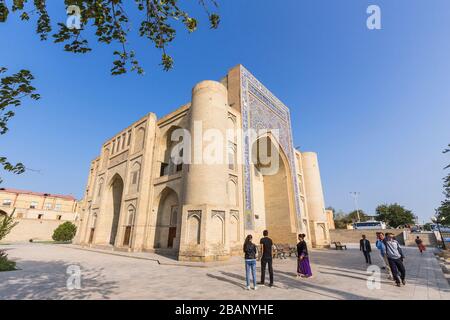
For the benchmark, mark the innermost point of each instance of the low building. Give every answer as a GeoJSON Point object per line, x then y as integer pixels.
{"type": "Point", "coordinates": [38, 214]}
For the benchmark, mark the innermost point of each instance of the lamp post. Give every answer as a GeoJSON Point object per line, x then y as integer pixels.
{"type": "Point", "coordinates": [355, 196]}
{"type": "Point", "coordinates": [438, 220]}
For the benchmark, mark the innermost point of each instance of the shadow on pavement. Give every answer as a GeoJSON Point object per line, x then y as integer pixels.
{"type": "Point", "coordinates": [48, 281]}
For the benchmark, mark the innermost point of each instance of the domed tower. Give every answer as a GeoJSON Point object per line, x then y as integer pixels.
{"type": "Point", "coordinates": [315, 202]}
{"type": "Point", "coordinates": [205, 212]}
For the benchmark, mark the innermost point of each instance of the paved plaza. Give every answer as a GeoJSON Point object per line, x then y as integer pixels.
{"type": "Point", "coordinates": [337, 275]}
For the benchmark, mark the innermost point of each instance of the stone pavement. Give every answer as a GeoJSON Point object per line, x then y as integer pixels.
{"type": "Point", "coordinates": [337, 275]}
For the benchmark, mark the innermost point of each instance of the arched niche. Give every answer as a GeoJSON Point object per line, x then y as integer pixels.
{"type": "Point", "coordinates": [166, 225]}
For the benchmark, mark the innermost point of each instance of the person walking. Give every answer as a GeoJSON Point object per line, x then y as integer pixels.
{"type": "Point", "coordinates": [420, 245]}
{"type": "Point", "coordinates": [381, 247]}
{"type": "Point", "coordinates": [250, 262]}
{"type": "Point", "coordinates": [395, 257]}
{"type": "Point", "coordinates": [266, 259]}
{"type": "Point", "coordinates": [366, 248]}
{"type": "Point", "coordinates": [303, 266]}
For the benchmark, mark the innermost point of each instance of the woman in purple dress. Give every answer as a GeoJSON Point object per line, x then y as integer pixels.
{"type": "Point", "coordinates": [304, 269]}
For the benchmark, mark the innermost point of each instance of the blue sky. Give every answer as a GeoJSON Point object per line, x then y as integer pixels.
{"type": "Point", "coordinates": [374, 105]}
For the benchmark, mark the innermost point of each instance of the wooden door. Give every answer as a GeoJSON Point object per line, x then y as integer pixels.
{"type": "Point", "coordinates": [172, 235]}
{"type": "Point", "coordinates": [127, 236]}
{"type": "Point", "coordinates": [91, 235]}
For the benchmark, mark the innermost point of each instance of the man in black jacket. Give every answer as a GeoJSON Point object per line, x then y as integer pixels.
{"type": "Point", "coordinates": [365, 247]}
{"type": "Point", "coordinates": [266, 259]}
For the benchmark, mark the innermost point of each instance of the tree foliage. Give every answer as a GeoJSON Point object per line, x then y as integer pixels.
{"type": "Point", "coordinates": [109, 21]}
{"type": "Point", "coordinates": [6, 224]}
{"type": "Point", "coordinates": [443, 212]}
{"type": "Point", "coordinates": [13, 89]}
{"type": "Point", "coordinates": [353, 216]}
{"type": "Point", "coordinates": [65, 232]}
{"type": "Point", "coordinates": [341, 219]}
{"type": "Point", "coordinates": [394, 215]}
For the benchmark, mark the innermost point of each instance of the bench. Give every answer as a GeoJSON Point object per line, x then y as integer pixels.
{"type": "Point", "coordinates": [293, 250]}
{"type": "Point", "coordinates": [339, 246]}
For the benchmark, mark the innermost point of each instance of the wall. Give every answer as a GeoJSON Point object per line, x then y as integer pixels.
{"type": "Point", "coordinates": [27, 229]}
{"type": "Point", "coordinates": [429, 239]}
{"type": "Point", "coordinates": [353, 236]}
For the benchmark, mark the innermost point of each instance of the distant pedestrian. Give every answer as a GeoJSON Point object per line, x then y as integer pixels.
{"type": "Point", "coordinates": [303, 266]}
{"type": "Point", "coordinates": [420, 245]}
{"type": "Point", "coordinates": [366, 248]}
{"type": "Point", "coordinates": [266, 259]}
{"type": "Point", "coordinates": [250, 262]}
{"type": "Point", "coordinates": [382, 248]}
{"type": "Point", "coordinates": [395, 257]}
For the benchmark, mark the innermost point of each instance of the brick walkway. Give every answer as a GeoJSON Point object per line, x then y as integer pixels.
{"type": "Point", "coordinates": [337, 275]}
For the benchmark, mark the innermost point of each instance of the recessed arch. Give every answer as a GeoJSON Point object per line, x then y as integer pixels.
{"type": "Point", "coordinates": [234, 228]}
{"type": "Point", "coordinates": [166, 231]}
{"type": "Point", "coordinates": [193, 229]}
{"type": "Point", "coordinates": [139, 139]}
{"type": "Point", "coordinates": [135, 175]}
{"type": "Point", "coordinates": [232, 191]}
{"type": "Point", "coordinates": [231, 129]}
{"type": "Point", "coordinates": [171, 162]}
{"type": "Point", "coordinates": [116, 186]}
{"type": "Point", "coordinates": [274, 180]}
{"type": "Point", "coordinates": [217, 228]}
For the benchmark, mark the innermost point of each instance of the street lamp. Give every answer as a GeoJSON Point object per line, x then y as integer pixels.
{"type": "Point", "coordinates": [438, 220]}
{"type": "Point", "coordinates": [355, 196]}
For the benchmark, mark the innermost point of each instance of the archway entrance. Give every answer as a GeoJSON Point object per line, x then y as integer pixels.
{"type": "Point", "coordinates": [167, 220]}
{"type": "Point", "coordinates": [116, 194]}
{"type": "Point", "coordinates": [274, 197]}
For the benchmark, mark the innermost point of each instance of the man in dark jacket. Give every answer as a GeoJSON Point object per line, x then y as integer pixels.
{"type": "Point", "coordinates": [266, 259]}
{"type": "Point", "coordinates": [365, 247]}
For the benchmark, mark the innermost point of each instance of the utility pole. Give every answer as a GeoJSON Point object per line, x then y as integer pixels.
{"type": "Point", "coordinates": [355, 195]}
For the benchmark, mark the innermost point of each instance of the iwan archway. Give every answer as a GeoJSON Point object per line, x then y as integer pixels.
{"type": "Point", "coordinates": [115, 204]}
{"type": "Point", "coordinates": [273, 191]}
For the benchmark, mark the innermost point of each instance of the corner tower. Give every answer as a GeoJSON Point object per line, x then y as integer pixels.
{"type": "Point", "coordinates": [205, 209]}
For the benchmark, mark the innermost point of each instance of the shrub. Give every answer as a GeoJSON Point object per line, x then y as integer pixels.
{"type": "Point", "coordinates": [5, 264]}
{"type": "Point", "coordinates": [6, 224]}
{"type": "Point", "coordinates": [65, 232]}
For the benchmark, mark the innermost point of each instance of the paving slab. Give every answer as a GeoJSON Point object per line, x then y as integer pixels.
{"type": "Point", "coordinates": [338, 275]}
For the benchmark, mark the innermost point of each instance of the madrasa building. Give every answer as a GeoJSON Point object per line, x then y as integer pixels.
{"type": "Point", "coordinates": [197, 181]}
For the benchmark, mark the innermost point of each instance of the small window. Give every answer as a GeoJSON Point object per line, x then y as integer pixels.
{"type": "Point", "coordinates": [7, 202]}
{"type": "Point", "coordinates": [164, 169]}
{"type": "Point", "coordinates": [33, 205]}
{"type": "Point", "coordinates": [48, 206]}
{"type": "Point", "coordinates": [58, 207]}
{"type": "Point", "coordinates": [40, 216]}
{"type": "Point", "coordinates": [58, 217]}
